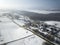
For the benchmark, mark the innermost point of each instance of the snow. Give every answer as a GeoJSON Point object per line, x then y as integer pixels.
{"type": "Point", "coordinates": [43, 11]}
{"type": "Point", "coordinates": [53, 23]}
{"type": "Point", "coordinates": [33, 40]}
{"type": "Point", "coordinates": [20, 22]}
{"type": "Point", "coordinates": [10, 31]}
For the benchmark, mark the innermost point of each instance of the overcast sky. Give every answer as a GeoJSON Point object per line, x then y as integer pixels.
{"type": "Point", "coordinates": [30, 4]}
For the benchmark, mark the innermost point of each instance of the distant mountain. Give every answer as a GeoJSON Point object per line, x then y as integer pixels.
{"type": "Point", "coordinates": [33, 15]}
{"type": "Point", "coordinates": [42, 17]}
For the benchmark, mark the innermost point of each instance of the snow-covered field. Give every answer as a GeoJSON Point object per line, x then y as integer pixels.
{"type": "Point", "coordinates": [57, 23]}
{"type": "Point", "coordinates": [10, 31]}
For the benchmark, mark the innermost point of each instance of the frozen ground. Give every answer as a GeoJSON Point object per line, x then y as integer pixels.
{"type": "Point", "coordinates": [57, 23]}
{"type": "Point", "coordinates": [10, 31]}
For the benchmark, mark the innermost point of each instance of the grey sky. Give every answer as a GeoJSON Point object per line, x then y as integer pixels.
{"type": "Point", "coordinates": [30, 4]}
